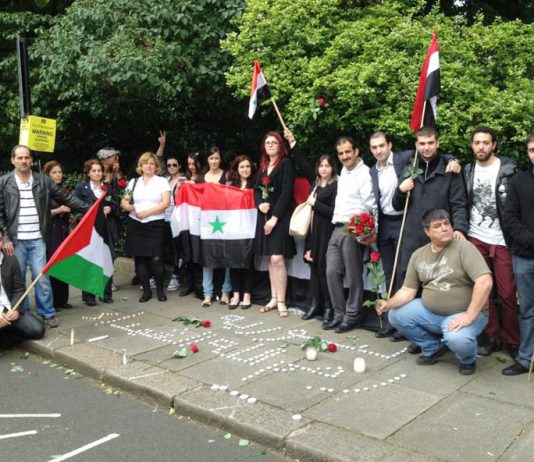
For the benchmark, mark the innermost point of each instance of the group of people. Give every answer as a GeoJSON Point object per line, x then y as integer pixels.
{"type": "Point", "coordinates": [467, 232]}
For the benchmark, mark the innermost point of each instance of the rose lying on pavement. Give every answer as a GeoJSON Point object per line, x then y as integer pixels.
{"type": "Point", "coordinates": [332, 347]}
{"type": "Point", "coordinates": [193, 347]}
{"type": "Point", "coordinates": [197, 322]}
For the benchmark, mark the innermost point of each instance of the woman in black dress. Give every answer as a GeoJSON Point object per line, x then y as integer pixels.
{"type": "Point", "coordinates": [273, 192]}
{"type": "Point", "coordinates": [90, 191]}
{"type": "Point", "coordinates": [58, 233]}
{"type": "Point", "coordinates": [241, 176]}
{"type": "Point", "coordinates": [324, 179]}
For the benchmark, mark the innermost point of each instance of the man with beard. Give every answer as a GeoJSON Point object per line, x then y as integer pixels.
{"type": "Point", "coordinates": [432, 188]}
{"type": "Point", "coordinates": [487, 179]}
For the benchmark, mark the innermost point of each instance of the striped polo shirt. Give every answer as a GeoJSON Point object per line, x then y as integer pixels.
{"type": "Point", "coordinates": [28, 219]}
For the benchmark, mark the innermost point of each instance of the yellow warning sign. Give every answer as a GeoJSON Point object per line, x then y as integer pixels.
{"type": "Point", "coordinates": [38, 133]}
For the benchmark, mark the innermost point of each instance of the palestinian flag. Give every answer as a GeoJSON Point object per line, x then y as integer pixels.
{"type": "Point", "coordinates": [221, 218]}
{"type": "Point", "coordinates": [84, 259]}
{"type": "Point", "coordinates": [424, 109]}
{"type": "Point", "coordinates": [259, 91]}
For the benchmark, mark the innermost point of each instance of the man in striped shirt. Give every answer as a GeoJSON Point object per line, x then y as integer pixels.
{"type": "Point", "coordinates": [25, 221]}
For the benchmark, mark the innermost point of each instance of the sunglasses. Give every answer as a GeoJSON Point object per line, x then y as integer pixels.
{"type": "Point", "coordinates": [172, 165]}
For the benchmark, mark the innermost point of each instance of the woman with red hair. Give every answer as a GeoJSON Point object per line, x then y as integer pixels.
{"type": "Point", "coordinates": [273, 192]}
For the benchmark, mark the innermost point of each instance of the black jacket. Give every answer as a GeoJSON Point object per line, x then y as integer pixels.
{"type": "Point", "coordinates": [12, 281]}
{"type": "Point", "coordinates": [507, 169]}
{"type": "Point", "coordinates": [43, 190]}
{"type": "Point", "coordinates": [518, 216]}
{"type": "Point", "coordinates": [434, 189]}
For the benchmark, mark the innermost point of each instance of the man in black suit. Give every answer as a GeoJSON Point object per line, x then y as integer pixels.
{"type": "Point", "coordinates": [15, 327]}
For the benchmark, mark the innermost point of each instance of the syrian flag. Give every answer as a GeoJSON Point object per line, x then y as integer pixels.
{"type": "Point", "coordinates": [427, 92]}
{"type": "Point", "coordinates": [84, 259]}
{"type": "Point", "coordinates": [259, 91]}
{"type": "Point", "coordinates": [222, 218]}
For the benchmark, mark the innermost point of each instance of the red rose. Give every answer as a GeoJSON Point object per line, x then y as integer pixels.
{"type": "Point", "coordinates": [375, 257]}
{"type": "Point", "coordinates": [193, 347]}
{"type": "Point", "coordinates": [206, 323]}
{"type": "Point", "coordinates": [332, 347]}
{"type": "Point", "coordinates": [364, 217]}
{"type": "Point", "coordinates": [359, 229]}
{"type": "Point", "coordinates": [122, 183]}
{"type": "Point", "coordinates": [321, 101]}
{"type": "Point", "coordinates": [104, 187]}
{"type": "Point", "coordinates": [371, 223]}
{"type": "Point", "coordinates": [266, 180]}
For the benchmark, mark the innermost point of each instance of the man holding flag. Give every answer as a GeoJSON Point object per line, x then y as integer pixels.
{"type": "Point", "coordinates": [25, 222]}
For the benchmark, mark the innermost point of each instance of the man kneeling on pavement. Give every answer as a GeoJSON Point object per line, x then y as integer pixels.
{"type": "Point", "coordinates": [452, 311]}
{"type": "Point", "coordinates": [15, 327]}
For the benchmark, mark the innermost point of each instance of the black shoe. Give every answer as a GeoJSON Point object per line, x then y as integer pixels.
{"type": "Point", "coordinates": [489, 347]}
{"type": "Point", "coordinates": [313, 310]}
{"type": "Point", "coordinates": [107, 300]}
{"type": "Point", "coordinates": [432, 359]}
{"type": "Point", "coordinates": [145, 298]}
{"type": "Point", "coordinates": [90, 302]}
{"type": "Point", "coordinates": [385, 332]}
{"type": "Point", "coordinates": [397, 337]}
{"type": "Point", "coordinates": [245, 306]}
{"type": "Point", "coordinates": [331, 325]}
{"type": "Point", "coordinates": [51, 322]}
{"type": "Point", "coordinates": [232, 306]}
{"type": "Point", "coordinates": [65, 306]}
{"type": "Point", "coordinates": [162, 298]}
{"type": "Point", "coordinates": [515, 369]}
{"type": "Point", "coordinates": [467, 369]}
{"type": "Point", "coordinates": [513, 350]}
{"type": "Point", "coordinates": [186, 291]}
{"type": "Point", "coordinates": [328, 313]}
{"type": "Point", "coordinates": [345, 327]}
{"type": "Point", "coordinates": [413, 349]}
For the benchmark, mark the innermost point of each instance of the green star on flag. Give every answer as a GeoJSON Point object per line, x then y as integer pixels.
{"type": "Point", "coordinates": [217, 225]}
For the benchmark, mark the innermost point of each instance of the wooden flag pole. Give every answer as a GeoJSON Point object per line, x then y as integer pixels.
{"type": "Point", "coordinates": [278, 113]}
{"type": "Point", "coordinates": [23, 296]}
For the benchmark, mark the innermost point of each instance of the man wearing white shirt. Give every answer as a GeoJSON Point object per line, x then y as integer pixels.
{"type": "Point", "coordinates": [344, 254]}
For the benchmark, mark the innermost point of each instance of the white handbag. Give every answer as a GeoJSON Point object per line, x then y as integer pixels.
{"type": "Point", "coordinates": [299, 224]}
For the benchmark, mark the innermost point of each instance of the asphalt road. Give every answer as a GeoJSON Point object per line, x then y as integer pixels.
{"type": "Point", "coordinates": [112, 425]}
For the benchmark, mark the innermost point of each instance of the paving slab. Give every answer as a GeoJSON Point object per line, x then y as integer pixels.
{"type": "Point", "coordinates": [373, 409]}
{"type": "Point", "coordinates": [321, 442]}
{"type": "Point", "coordinates": [522, 449]}
{"type": "Point", "coordinates": [260, 422]}
{"type": "Point", "coordinates": [88, 359]}
{"type": "Point", "coordinates": [465, 427]}
{"type": "Point", "coordinates": [492, 384]}
{"type": "Point", "coordinates": [150, 383]}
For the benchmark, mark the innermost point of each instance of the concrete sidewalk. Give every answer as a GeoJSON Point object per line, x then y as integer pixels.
{"type": "Point", "coordinates": [251, 378]}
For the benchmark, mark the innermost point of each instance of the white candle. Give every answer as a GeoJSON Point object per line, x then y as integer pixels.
{"type": "Point", "coordinates": [359, 365]}
{"type": "Point", "coordinates": [311, 354]}
{"type": "Point", "coordinates": [72, 337]}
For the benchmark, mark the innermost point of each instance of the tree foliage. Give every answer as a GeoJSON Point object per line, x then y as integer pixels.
{"type": "Point", "coordinates": [364, 59]}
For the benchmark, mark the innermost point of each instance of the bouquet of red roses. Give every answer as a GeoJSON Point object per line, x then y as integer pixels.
{"type": "Point", "coordinates": [361, 226]}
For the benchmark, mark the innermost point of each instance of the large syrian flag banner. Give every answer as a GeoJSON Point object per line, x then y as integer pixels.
{"type": "Point", "coordinates": [425, 106]}
{"type": "Point", "coordinates": [222, 217]}
{"type": "Point", "coordinates": [84, 258]}
{"type": "Point", "coordinates": [259, 90]}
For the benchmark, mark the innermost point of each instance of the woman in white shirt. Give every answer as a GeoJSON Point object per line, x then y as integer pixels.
{"type": "Point", "coordinates": [149, 196]}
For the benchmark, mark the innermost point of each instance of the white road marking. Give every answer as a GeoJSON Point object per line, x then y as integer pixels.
{"type": "Point", "coordinates": [110, 437]}
{"type": "Point", "coordinates": [15, 435]}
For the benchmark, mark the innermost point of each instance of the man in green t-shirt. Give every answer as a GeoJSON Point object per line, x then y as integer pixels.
{"type": "Point", "coordinates": [455, 282]}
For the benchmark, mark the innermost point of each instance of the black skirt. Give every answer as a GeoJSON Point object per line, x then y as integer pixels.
{"type": "Point", "coordinates": [145, 239]}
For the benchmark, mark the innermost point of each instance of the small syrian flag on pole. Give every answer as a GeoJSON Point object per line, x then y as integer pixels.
{"type": "Point", "coordinates": [84, 259]}
{"type": "Point", "coordinates": [424, 109]}
{"type": "Point", "coordinates": [259, 91]}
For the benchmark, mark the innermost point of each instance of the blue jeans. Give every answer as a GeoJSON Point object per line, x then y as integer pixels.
{"type": "Point", "coordinates": [429, 330]}
{"type": "Point", "coordinates": [524, 277]}
{"type": "Point", "coordinates": [33, 252]}
{"type": "Point", "coordinates": [207, 281]}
